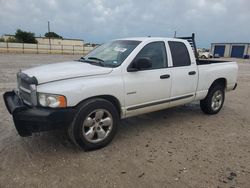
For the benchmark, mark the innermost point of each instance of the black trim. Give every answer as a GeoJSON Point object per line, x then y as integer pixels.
{"type": "Point", "coordinates": [165, 76]}
{"type": "Point", "coordinates": [158, 102]}
{"type": "Point", "coordinates": [210, 61]}
{"type": "Point", "coordinates": [192, 73]}
{"type": "Point", "coordinates": [132, 92]}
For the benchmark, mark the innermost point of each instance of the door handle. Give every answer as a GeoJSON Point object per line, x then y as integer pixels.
{"type": "Point", "coordinates": [165, 76]}
{"type": "Point", "coordinates": [192, 73]}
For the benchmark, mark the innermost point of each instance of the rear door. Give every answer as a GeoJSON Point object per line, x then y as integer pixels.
{"type": "Point", "coordinates": [148, 89]}
{"type": "Point", "coordinates": [184, 73]}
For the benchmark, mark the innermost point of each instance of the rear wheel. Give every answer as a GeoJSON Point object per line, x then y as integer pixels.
{"type": "Point", "coordinates": [95, 124]}
{"type": "Point", "coordinates": [214, 100]}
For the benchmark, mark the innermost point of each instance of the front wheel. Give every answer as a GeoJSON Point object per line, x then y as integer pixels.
{"type": "Point", "coordinates": [214, 100]}
{"type": "Point", "coordinates": [95, 124]}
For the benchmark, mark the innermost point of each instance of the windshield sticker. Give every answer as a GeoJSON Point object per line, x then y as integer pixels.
{"type": "Point", "coordinates": [118, 49]}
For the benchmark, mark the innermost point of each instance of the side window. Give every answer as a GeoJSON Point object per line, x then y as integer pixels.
{"type": "Point", "coordinates": [156, 52]}
{"type": "Point", "coordinates": [180, 54]}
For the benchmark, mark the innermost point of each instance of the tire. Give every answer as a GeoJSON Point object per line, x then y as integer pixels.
{"type": "Point", "coordinates": [95, 124]}
{"type": "Point", "coordinates": [214, 100]}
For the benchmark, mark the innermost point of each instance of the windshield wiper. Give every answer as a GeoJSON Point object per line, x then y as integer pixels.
{"type": "Point", "coordinates": [95, 58]}
{"type": "Point", "coordinates": [99, 61]}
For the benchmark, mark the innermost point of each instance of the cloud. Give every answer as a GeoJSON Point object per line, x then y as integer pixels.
{"type": "Point", "coordinates": [102, 20]}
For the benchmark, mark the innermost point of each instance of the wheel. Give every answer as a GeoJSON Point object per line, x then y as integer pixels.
{"type": "Point", "coordinates": [214, 100]}
{"type": "Point", "coordinates": [95, 124]}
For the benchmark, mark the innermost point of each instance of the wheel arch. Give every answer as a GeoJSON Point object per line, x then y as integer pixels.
{"type": "Point", "coordinates": [219, 81]}
{"type": "Point", "coordinates": [109, 98]}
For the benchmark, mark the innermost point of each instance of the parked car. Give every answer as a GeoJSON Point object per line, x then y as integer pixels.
{"type": "Point", "coordinates": [205, 54]}
{"type": "Point", "coordinates": [119, 79]}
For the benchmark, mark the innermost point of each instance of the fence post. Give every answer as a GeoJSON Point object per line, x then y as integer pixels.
{"type": "Point", "coordinates": [73, 50]}
{"type": "Point", "coordinates": [23, 48]}
{"type": "Point", "coordinates": [7, 45]}
{"type": "Point", "coordinates": [82, 49]}
{"type": "Point", "coordinates": [37, 48]}
{"type": "Point", "coordinates": [62, 49]}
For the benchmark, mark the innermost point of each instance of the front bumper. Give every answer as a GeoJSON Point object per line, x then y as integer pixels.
{"type": "Point", "coordinates": [36, 119]}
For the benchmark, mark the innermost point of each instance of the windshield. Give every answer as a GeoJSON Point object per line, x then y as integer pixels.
{"type": "Point", "coordinates": [111, 54]}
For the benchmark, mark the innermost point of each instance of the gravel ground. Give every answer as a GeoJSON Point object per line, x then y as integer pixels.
{"type": "Point", "coordinates": [178, 147]}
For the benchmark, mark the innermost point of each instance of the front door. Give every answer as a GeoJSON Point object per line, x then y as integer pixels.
{"type": "Point", "coordinates": [148, 89]}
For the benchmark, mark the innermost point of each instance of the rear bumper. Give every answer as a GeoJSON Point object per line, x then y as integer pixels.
{"type": "Point", "coordinates": [36, 119]}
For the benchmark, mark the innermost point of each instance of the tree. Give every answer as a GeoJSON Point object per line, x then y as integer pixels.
{"type": "Point", "coordinates": [1, 39]}
{"type": "Point", "coordinates": [11, 39]}
{"type": "Point", "coordinates": [52, 35]}
{"type": "Point", "coordinates": [25, 37]}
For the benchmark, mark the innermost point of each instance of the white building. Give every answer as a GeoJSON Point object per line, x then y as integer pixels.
{"type": "Point", "coordinates": [57, 41]}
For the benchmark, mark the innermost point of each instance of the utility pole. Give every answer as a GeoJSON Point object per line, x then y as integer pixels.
{"type": "Point", "coordinates": [174, 34]}
{"type": "Point", "coordinates": [49, 36]}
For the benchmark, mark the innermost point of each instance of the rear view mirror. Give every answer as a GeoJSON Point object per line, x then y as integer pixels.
{"type": "Point", "coordinates": [142, 63]}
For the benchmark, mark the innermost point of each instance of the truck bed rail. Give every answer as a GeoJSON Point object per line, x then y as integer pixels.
{"type": "Point", "coordinates": [191, 41]}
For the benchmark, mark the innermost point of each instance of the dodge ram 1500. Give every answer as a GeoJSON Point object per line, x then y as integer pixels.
{"type": "Point", "coordinates": [119, 79]}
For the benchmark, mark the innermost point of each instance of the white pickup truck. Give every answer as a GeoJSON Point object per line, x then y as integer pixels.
{"type": "Point", "coordinates": [119, 79]}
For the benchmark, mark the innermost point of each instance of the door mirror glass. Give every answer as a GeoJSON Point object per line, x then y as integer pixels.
{"type": "Point", "coordinates": [141, 63]}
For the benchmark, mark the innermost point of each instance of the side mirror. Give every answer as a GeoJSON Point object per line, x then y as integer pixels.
{"type": "Point", "coordinates": [142, 63]}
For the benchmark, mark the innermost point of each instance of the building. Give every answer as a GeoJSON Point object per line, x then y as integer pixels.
{"type": "Point", "coordinates": [53, 41]}
{"type": "Point", "coordinates": [236, 50]}
{"type": "Point", "coordinates": [57, 41]}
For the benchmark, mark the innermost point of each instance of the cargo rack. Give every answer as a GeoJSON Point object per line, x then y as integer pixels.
{"type": "Point", "coordinates": [191, 41]}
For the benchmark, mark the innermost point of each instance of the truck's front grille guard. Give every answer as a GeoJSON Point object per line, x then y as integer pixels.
{"type": "Point", "coordinates": [27, 92]}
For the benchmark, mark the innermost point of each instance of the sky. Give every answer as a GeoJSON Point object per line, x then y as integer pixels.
{"type": "Point", "coordinates": [98, 21]}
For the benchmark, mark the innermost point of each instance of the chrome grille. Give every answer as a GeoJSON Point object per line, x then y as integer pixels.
{"type": "Point", "coordinates": [26, 92]}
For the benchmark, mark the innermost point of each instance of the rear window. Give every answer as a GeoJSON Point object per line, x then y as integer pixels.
{"type": "Point", "coordinates": [180, 55]}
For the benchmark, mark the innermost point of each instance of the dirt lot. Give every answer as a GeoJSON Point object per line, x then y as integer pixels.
{"type": "Point", "coordinates": [178, 147]}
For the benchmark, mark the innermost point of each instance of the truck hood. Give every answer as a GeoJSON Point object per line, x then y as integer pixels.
{"type": "Point", "coordinates": [65, 70]}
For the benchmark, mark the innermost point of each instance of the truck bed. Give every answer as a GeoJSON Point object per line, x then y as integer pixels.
{"type": "Point", "coordinates": [209, 61]}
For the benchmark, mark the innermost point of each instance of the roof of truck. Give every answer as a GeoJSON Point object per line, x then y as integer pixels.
{"type": "Point", "coordinates": [149, 38]}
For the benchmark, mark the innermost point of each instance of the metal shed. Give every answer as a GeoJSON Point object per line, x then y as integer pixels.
{"type": "Point", "coordinates": [236, 50]}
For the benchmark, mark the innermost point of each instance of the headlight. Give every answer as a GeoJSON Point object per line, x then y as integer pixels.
{"type": "Point", "coordinates": [52, 100]}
